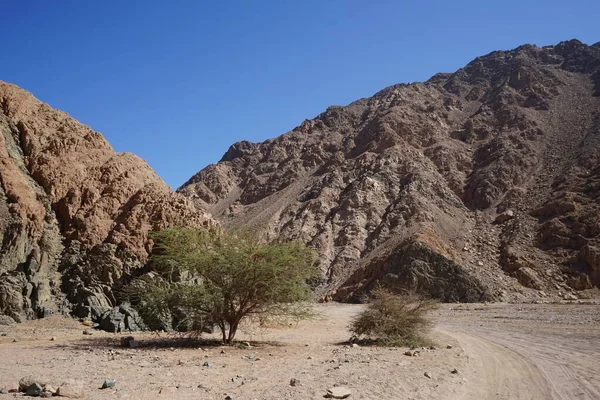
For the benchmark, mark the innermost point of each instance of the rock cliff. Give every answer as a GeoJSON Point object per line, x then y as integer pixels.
{"type": "Point", "coordinates": [475, 185]}
{"type": "Point", "coordinates": [74, 214]}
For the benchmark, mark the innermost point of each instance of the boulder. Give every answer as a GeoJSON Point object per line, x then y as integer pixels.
{"type": "Point", "coordinates": [6, 320]}
{"type": "Point", "coordinates": [71, 389]}
{"type": "Point", "coordinates": [122, 319]}
{"type": "Point", "coordinates": [28, 381]}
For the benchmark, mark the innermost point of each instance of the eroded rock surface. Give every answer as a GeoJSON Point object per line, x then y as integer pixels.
{"type": "Point", "coordinates": [74, 214]}
{"type": "Point", "coordinates": [480, 184]}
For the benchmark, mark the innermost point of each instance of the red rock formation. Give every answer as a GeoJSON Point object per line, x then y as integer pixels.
{"type": "Point", "coordinates": [74, 214]}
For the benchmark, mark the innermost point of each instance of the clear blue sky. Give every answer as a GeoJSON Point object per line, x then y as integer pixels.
{"type": "Point", "coordinates": [177, 82]}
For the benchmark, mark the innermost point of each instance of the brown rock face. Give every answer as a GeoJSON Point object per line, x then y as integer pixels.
{"type": "Point", "coordinates": [405, 187]}
{"type": "Point", "coordinates": [74, 214]}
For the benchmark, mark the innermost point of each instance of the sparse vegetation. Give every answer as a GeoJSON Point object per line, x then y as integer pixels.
{"type": "Point", "coordinates": [394, 320]}
{"type": "Point", "coordinates": [217, 279]}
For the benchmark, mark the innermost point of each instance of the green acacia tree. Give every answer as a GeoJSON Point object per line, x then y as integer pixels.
{"type": "Point", "coordinates": [222, 279]}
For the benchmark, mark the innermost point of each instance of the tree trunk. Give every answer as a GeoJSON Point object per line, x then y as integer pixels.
{"type": "Point", "coordinates": [232, 331]}
{"type": "Point", "coordinates": [222, 326]}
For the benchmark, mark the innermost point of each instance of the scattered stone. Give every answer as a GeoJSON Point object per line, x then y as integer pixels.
{"type": "Point", "coordinates": [109, 383]}
{"type": "Point", "coordinates": [3, 391]}
{"type": "Point", "coordinates": [338, 392]}
{"type": "Point", "coordinates": [207, 364]}
{"type": "Point", "coordinates": [87, 322]}
{"type": "Point", "coordinates": [52, 339]}
{"type": "Point", "coordinates": [449, 346]}
{"type": "Point", "coordinates": [229, 397]}
{"type": "Point", "coordinates": [432, 348]}
{"type": "Point", "coordinates": [35, 389]}
{"type": "Point", "coordinates": [46, 394]}
{"type": "Point", "coordinates": [126, 340]}
{"type": "Point", "coordinates": [70, 390]}
{"type": "Point", "coordinates": [505, 216]}
{"type": "Point", "coordinates": [205, 388]}
{"type": "Point", "coordinates": [294, 382]}
{"type": "Point", "coordinates": [355, 345]}
{"type": "Point", "coordinates": [167, 392]}
{"type": "Point", "coordinates": [15, 340]}
{"type": "Point", "coordinates": [570, 296]}
{"type": "Point", "coordinates": [454, 371]}
{"type": "Point", "coordinates": [49, 388]}
{"type": "Point", "coordinates": [408, 353]}
{"type": "Point", "coordinates": [427, 375]}
{"type": "Point", "coordinates": [3, 334]}
{"type": "Point", "coordinates": [27, 381]}
{"type": "Point", "coordinates": [250, 356]}
{"type": "Point", "coordinates": [87, 332]}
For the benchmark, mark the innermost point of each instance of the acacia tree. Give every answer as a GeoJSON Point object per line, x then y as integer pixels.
{"type": "Point", "coordinates": [221, 279]}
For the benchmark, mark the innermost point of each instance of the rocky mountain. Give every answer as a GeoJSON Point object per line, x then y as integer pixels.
{"type": "Point", "coordinates": [481, 184]}
{"type": "Point", "coordinates": [74, 214]}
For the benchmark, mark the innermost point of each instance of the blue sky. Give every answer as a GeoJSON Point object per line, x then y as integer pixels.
{"type": "Point", "coordinates": [177, 82]}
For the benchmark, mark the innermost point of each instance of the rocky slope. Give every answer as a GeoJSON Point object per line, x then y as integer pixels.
{"type": "Point", "coordinates": [476, 185]}
{"type": "Point", "coordinates": [74, 214]}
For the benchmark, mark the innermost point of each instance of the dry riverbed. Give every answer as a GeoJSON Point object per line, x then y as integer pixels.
{"type": "Point", "coordinates": [495, 351]}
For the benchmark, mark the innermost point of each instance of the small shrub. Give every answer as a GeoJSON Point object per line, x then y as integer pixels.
{"type": "Point", "coordinates": [394, 320]}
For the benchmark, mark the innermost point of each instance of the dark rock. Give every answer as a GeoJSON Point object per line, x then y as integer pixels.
{"type": "Point", "coordinates": [415, 266]}
{"type": "Point", "coordinates": [34, 389]}
{"type": "Point", "coordinates": [126, 340]}
{"type": "Point", "coordinates": [121, 319]}
{"type": "Point", "coordinates": [109, 383]}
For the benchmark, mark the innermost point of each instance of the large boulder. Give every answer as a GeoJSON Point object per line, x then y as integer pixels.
{"type": "Point", "coordinates": [121, 319]}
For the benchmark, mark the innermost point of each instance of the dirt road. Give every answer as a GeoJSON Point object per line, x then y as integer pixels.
{"type": "Point", "coordinates": [528, 351]}
{"type": "Point", "coordinates": [499, 351]}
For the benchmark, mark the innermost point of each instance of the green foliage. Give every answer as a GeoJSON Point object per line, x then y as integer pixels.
{"type": "Point", "coordinates": [213, 278]}
{"type": "Point", "coordinates": [394, 320]}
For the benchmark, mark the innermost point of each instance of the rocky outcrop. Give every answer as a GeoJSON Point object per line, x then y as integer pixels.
{"type": "Point", "coordinates": [427, 185]}
{"type": "Point", "coordinates": [74, 214]}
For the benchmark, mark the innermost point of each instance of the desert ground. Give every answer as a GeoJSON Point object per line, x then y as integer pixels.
{"type": "Point", "coordinates": [482, 351]}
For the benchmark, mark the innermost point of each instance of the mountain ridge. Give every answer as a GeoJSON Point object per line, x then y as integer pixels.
{"type": "Point", "coordinates": [423, 164]}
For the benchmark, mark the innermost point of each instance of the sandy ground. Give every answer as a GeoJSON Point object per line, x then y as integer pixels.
{"type": "Point", "coordinates": [500, 352]}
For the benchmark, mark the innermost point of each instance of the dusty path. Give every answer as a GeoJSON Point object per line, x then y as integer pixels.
{"type": "Point", "coordinates": [529, 351]}
{"type": "Point", "coordinates": [500, 352]}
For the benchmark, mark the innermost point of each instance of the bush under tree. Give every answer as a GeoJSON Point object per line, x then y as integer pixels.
{"type": "Point", "coordinates": [213, 278]}
{"type": "Point", "coordinates": [394, 320]}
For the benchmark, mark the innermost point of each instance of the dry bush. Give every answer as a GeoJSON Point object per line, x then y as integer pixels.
{"type": "Point", "coordinates": [394, 320]}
